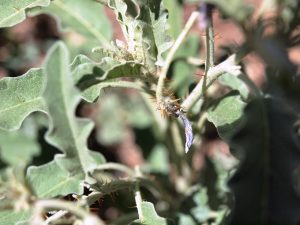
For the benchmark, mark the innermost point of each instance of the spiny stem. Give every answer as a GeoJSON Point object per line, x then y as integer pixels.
{"type": "Point", "coordinates": [117, 166]}
{"type": "Point", "coordinates": [171, 54]}
{"type": "Point", "coordinates": [209, 46]}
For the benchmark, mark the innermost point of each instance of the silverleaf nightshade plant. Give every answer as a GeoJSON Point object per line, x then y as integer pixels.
{"type": "Point", "coordinates": [57, 169]}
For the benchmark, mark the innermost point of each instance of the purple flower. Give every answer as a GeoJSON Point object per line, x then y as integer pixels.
{"type": "Point", "coordinates": [205, 15]}
{"type": "Point", "coordinates": [188, 132]}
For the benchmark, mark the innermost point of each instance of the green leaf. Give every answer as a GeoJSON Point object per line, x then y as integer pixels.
{"type": "Point", "coordinates": [16, 148]}
{"type": "Point", "coordinates": [85, 17]}
{"type": "Point", "coordinates": [235, 83]}
{"type": "Point", "coordinates": [227, 114]}
{"type": "Point", "coordinates": [15, 218]}
{"type": "Point", "coordinates": [20, 96]}
{"type": "Point", "coordinates": [145, 34]}
{"type": "Point", "coordinates": [50, 180]}
{"type": "Point", "coordinates": [14, 11]}
{"type": "Point", "coordinates": [150, 216]}
{"type": "Point", "coordinates": [201, 211]}
{"type": "Point", "coordinates": [117, 112]}
{"type": "Point", "coordinates": [91, 77]}
{"type": "Point", "coordinates": [175, 16]}
{"type": "Point", "coordinates": [66, 132]}
{"type": "Point", "coordinates": [158, 160]}
{"type": "Point", "coordinates": [185, 219]}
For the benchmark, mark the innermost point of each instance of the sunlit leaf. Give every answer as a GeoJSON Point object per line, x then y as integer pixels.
{"type": "Point", "coordinates": [20, 96]}
{"type": "Point", "coordinates": [90, 77]}
{"type": "Point", "coordinates": [235, 83]}
{"type": "Point", "coordinates": [66, 132]}
{"type": "Point", "coordinates": [50, 180]}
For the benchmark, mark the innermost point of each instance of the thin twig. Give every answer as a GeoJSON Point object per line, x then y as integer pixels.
{"type": "Point", "coordinates": [171, 54]}
{"type": "Point", "coordinates": [138, 196]}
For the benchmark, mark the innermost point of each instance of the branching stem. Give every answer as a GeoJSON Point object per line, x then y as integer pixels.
{"type": "Point", "coordinates": [227, 66]}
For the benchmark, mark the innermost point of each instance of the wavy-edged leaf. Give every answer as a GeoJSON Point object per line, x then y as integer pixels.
{"type": "Point", "coordinates": [14, 11]}
{"type": "Point", "coordinates": [50, 180]}
{"type": "Point", "coordinates": [90, 77]}
{"type": "Point", "coordinates": [20, 96]}
{"type": "Point", "coordinates": [85, 17]}
{"type": "Point", "coordinates": [66, 132]}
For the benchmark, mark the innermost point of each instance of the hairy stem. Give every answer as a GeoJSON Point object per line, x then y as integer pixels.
{"type": "Point", "coordinates": [171, 54]}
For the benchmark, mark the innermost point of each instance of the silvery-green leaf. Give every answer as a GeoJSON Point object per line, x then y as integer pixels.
{"type": "Point", "coordinates": [90, 77]}
{"type": "Point", "coordinates": [50, 180]}
{"type": "Point", "coordinates": [66, 132]}
{"type": "Point", "coordinates": [20, 96]}
{"type": "Point", "coordinates": [14, 11]}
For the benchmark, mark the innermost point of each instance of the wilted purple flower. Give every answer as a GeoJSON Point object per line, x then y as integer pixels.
{"type": "Point", "coordinates": [188, 132]}
{"type": "Point", "coordinates": [205, 15]}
